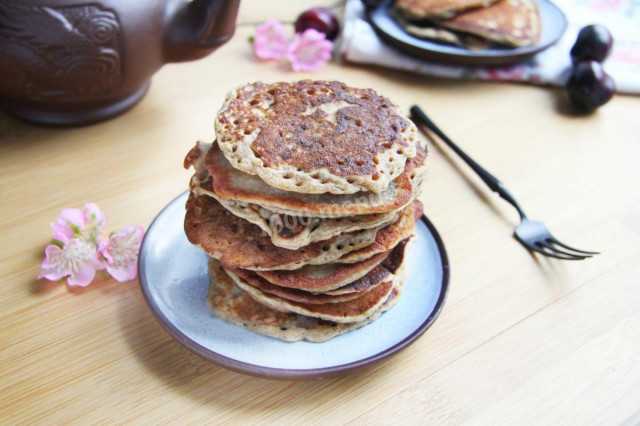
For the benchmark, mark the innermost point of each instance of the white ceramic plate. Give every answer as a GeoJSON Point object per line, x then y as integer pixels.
{"type": "Point", "coordinates": [174, 279]}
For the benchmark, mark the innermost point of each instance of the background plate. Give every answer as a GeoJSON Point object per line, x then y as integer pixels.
{"type": "Point", "coordinates": [174, 279]}
{"type": "Point", "coordinates": [554, 24]}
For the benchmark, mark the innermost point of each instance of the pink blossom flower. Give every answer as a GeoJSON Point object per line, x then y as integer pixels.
{"type": "Point", "coordinates": [309, 51]}
{"type": "Point", "coordinates": [87, 222]}
{"type": "Point", "coordinates": [121, 253]}
{"type": "Point", "coordinates": [76, 259]}
{"type": "Point", "coordinates": [79, 248]}
{"type": "Point", "coordinates": [96, 221]}
{"type": "Point", "coordinates": [69, 223]}
{"type": "Point", "coordinates": [270, 41]}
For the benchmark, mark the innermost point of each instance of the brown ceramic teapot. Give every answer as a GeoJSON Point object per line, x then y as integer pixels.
{"type": "Point", "coordinates": [68, 62]}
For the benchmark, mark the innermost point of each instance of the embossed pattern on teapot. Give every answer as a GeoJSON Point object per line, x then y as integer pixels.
{"type": "Point", "coordinates": [70, 62]}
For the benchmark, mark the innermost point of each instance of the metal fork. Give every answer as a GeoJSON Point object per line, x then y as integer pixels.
{"type": "Point", "coordinates": [533, 235]}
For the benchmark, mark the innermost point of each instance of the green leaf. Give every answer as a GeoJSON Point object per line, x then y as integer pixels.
{"type": "Point", "coordinates": [57, 242]}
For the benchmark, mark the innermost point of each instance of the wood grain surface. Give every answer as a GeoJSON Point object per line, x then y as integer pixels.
{"type": "Point", "coordinates": [521, 339]}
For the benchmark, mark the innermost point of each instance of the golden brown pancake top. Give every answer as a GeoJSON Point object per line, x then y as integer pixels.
{"type": "Point", "coordinates": [365, 124]}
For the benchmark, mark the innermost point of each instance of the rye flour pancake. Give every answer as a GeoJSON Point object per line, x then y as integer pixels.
{"type": "Point", "coordinates": [381, 273]}
{"type": "Point", "coordinates": [241, 244]}
{"type": "Point", "coordinates": [389, 236]}
{"type": "Point", "coordinates": [320, 278]}
{"type": "Point", "coordinates": [351, 291]}
{"type": "Point", "coordinates": [315, 137]}
{"type": "Point", "coordinates": [342, 312]}
{"type": "Point", "coordinates": [230, 184]}
{"type": "Point", "coordinates": [230, 303]}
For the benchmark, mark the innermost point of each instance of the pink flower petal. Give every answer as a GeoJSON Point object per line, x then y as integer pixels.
{"type": "Point", "coordinates": [94, 214]}
{"type": "Point", "coordinates": [61, 235]}
{"type": "Point", "coordinates": [96, 221]}
{"type": "Point", "coordinates": [48, 269]}
{"type": "Point", "coordinates": [74, 217]}
{"type": "Point", "coordinates": [70, 222]}
{"type": "Point", "coordinates": [124, 273]}
{"type": "Point", "coordinates": [309, 51]}
{"type": "Point", "coordinates": [270, 41]}
{"type": "Point", "coordinates": [83, 276]}
{"type": "Point", "coordinates": [121, 253]}
{"type": "Point", "coordinates": [61, 230]}
{"type": "Point", "coordinates": [77, 260]}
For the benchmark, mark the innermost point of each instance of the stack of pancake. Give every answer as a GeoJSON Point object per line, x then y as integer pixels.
{"type": "Point", "coordinates": [472, 23]}
{"type": "Point", "coordinates": [305, 204]}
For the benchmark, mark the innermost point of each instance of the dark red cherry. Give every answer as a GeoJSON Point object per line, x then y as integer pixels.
{"type": "Point", "coordinates": [589, 86]}
{"type": "Point", "coordinates": [320, 19]}
{"type": "Point", "coordinates": [370, 4]}
{"type": "Point", "coordinates": [593, 43]}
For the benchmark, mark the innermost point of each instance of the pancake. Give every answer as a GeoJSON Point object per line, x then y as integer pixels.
{"type": "Point", "coordinates": [441, 35]}
{"type": "Point", "coordinates": [511, 22]}
{"type": "Point", "coordinates": [251, 278]}
{"type": "Point", "coordinates": [395, 260]}
{"type": "Point", "coordinates": [233, 185]}
{"type": "Point", "coordinates": [319, 278]}
{"type": "Point", "coordinates": [374, 277]}
{"type": "Point", "coordinates": [288, 231]}
{"type": "Point", "coordinates": [230, 303]}
{"type": "Point", "coordinates": [294, 232]}
{"type": "Point", "coordinates": [381, 273]}
{"type": "Point", "coordinates": [343, 312]}
{"type": "Point", "coordinates": [240, 244]}
{"type": "Point", "coordinates": [425, 9]}
{"type": "Point", "coordinates": [416, 168]}
{"type": "Point", "coordinates": [389, 236]}
{"type": "Point", "coordinates": [314, 137]}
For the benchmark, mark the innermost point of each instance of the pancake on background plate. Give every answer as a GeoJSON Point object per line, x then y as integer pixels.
{"type": "Point", "coordinates": [431, 31]}
{"type": "Point", "coordinates": [504, 22]}
{"type": "Point", "coordinates": [511, 22]}
{"type": "Point", "coordinates": [417, 10]}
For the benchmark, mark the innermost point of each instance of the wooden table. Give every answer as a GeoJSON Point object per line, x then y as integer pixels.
{"type": "Point", "coordinates": [521, 338]}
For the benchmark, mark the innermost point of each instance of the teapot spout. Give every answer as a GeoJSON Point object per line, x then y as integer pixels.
{"type": "Point", "coordinates": [198, 27]}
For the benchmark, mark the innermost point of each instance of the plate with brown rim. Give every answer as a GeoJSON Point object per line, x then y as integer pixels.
{"type": "Point", "coordinates": [174, 279]}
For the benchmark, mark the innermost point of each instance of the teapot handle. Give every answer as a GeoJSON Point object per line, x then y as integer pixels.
{"type": "Point", "coordinates": [197, 28]}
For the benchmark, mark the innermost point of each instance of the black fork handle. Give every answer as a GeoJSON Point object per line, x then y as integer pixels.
{"type": "Point", "coordinates": [492, 182]}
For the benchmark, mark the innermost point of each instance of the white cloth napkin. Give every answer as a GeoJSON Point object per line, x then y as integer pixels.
{"type": "Point", "coordinates": [360, 44]}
